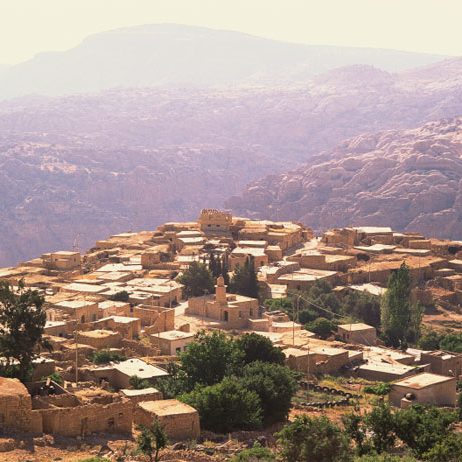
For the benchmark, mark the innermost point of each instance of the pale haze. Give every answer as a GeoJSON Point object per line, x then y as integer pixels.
{"type": "Point", "coordinates": [28, 27]}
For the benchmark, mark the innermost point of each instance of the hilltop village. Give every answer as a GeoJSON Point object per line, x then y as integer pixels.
{"type": "Point", "coordinates": [124, 298]}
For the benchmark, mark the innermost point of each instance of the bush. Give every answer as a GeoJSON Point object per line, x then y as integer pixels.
{"type": "Point", "coordinates": [255, 454]}
{"type": "Point", "coordinates": [381, 389]}
{"type": "Point", "coordinates": [275, 385]}
{"type": "Point", "coordinates": [106, 356]}
{"type": "Point", "coordinates": [197, 280]}
{"type": "Point", "coordinates": [138, 384]}
{"type": "Point", "coordinates": [210, 358]}
{"type": "Point", "coordinates": [256, 347]}
{"type": "Point", "coordinates": [313, 439]}
{"type": "Point", "coordinates": [121, 296]}
{"type": "Point", "coordinates": [321, 326]}
{"type": "Point", "coordinates": [56, 377]}
{"type": "Point", "coordinates": [385, 458]}
{"type": "Point", "coordinates": [226, 406]}
{"type": "Point", "coordinates": [422, 427]}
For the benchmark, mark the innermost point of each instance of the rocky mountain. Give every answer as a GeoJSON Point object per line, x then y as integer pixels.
{"type": "Point", "coordinates": [175, 55]}
{"type": "Point", "coordinates": [92, 165]}
{"type": "Point", "coordinates": [408, 179]}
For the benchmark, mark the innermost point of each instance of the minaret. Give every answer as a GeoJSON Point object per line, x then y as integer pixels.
{"type": "Point", "coordinates": [220, 291]}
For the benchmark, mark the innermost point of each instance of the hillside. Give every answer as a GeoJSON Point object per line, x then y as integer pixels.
{"type": "Point", "coordinates": [129, 159]}
{"type": "Point", "coordinates": [409, 179]}
{"type": "Point", "coordinates": [175, 55]}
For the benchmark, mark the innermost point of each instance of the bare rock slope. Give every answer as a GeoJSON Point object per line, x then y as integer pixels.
{"type": "Point", "coordinates": [409, 179]}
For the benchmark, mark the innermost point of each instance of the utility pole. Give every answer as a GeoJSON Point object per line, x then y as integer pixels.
{"type": "Point", "coordinates": [76, 358]}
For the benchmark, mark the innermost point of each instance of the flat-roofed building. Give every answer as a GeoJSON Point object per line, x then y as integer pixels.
{"type": "Point", "coordinates": [179, 420]}
{"type": "Point", "coordinates": [172, 342]}
{"type": "Point", "coordinates": [384, 372]}
{"type": "Point", "coordinates": [62, 260]}
{"type": "Point", "coordinates": [359, 332]}
{"type": "Point", "coordinates": [443, 362]}
{"type": "Point", "coordinates": [425, 388]}
{"type": "Point", "coordinates": [81, 310]}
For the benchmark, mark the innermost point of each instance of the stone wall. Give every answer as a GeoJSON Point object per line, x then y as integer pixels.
{"type": "Point", "coordinates": [93, 418]}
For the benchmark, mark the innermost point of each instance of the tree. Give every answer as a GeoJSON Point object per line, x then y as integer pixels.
{"type": "Point", "coordinates": [381, 424]}
{"type": "Point", "coordinates": [430, 340]}
{"type": "Point", "coordinates": [197, 280]}
{"type": "Point", "coordinates": [422, 427]}
{"type": "Point", "coordinates": [138, 383]}
{"type": "Point", "coordinates": [362, 306]}
{"type": "Point", "coordinates": [151, 440]}
{"type": "Point", "coordinates": [255, 454]}
{"type": "Point", "coordinates": [256, 347]}
{"type": "Point", "coordinates": [313, 439]}
{"type": "Point", "coordinates": [355, 429]}
{"type": "Point", "coordinates": [226, 406]}
{"type": "Point", "coordinates": [121, 296]}
{"type": "Point", "coordinates": [244, 280]}
{"type": "Point", "coordinates": [210, 358]}
{"type": "Point", "coordinates": [400, 319]}
{"type": "Point", "coordinates": [385, 458]}
{"type": "Point", "coordinates": [275, 385]}
{"type": "Point", "coordinates": [22, 323]}
{"type": "Point", "coordinates": [449, 449]}
{"type": "Point", "coordinates": [321, 326]}
{"type": "Point", "coordinates": [106, 356]}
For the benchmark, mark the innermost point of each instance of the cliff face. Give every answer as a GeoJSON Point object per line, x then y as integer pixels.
{"type": "Point", "coordinates": [408, 179]}
{"type": "Point", "coordinates": [92, 165]}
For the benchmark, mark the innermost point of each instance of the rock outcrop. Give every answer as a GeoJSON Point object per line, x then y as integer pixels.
{"type": "Point", "coordinates": [408, 179]}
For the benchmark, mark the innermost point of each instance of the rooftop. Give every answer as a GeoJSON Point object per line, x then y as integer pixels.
{"type": "Point", "coordinates": [174, 335]}
{"type": "Point", "coordinates": [167, 407]}
{"type": "Point", "coordinates": [139, 368]}
{"type": "Point", "coordinates": [356, 327]}
{"type": "Point", "coordinates": [423, 380]}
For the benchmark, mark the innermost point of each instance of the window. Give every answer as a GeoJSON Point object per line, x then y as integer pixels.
{"type": "Point", "coordinates": [178, 350]}
{"type": "Point", "coordinates": [110, 423]}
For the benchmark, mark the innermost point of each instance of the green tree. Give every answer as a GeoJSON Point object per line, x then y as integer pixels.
{"type": "Point", "coordinates": [313, 439]}
{"type": "Point", "coordinates": [400, 318]}
{"type": "Point", "coordinates": [355, 429]}
{"type": "Point", "coordinates": [210, 358]}
{"type": "Point", "coordinates": [321, 326]}
{"type": "Point", "coordinates": [244, 280]}
{"type": "Point", "coordinates": [121, 296]}
{"type": "Point", "coordinates": [255, 454]}
{"type": "Point", "coordinates": [22, 323]}
{"type": "Point", "coordinates": [226, 406]}
{"type": "Point", "coordinates": [448, 449]}
{"type": "Point", "coordinates": [385, 458]}
{"type": "Point", "coordinates": [451, 342]}
{"type": "Point", "coordinates": [197, 280]}
{"type": "Point", "coordinates": [422, 427]}
{"type": "Point", "coordinates": [275, 385]}
{"type": "Point", "coordinates": [106, 356]}
{"type": "Point", "coordinates": [430, 340]}
{"type": "Point", "coordinates": [362, 306]}
{"type": "Point", "coordinates": [152, 440]}
{"type": "Point", "coordinates": [381, 424]}
{"type": "Point", "coordinates": [138, 383]}
{"type": "Point", "coordinates": [256, 347]}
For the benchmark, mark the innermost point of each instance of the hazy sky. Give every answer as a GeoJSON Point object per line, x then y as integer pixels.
{"type": "Point", "coordinates": [28, 27]}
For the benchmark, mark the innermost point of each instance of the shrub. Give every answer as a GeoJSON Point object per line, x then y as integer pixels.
{"type": "Point", "coordinates": [321, 326]}
{"type": "Point", "coordinates": [106, 356]}
{"type": "Point", "coordinates": [121, 296]}
{"type": "Point", "coordinates": [226, 406]}
{"type": "Point", "coordinates": [381, 389]}
{"type": "Point", "coordinates": [313, 439]}
{"type": "Point", "coordinates": [210, 358]}
{"type": "Point", "coordinates": [138, 384]}
{"type": "Point", "coordinates": [275, 385]}
{"type": "Point", "coordinates": [256, 347]}
{"type": "Point", "coordinates": [255, 454]}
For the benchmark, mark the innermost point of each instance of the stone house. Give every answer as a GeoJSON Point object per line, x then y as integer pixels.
{"type": "Point", "coordinates": [118, 374]}
{"type": "Point", "coordinates": [442, 362]}
{"type": "Point", "coordinates": [425, 388]}
{"type": "Point", "coordinates": [80, 310]}
{"type": "Point", "coordinates": [180, 421]}
{"type": "Point", "coordinates": [213, 221]}
{"type": "Point", "coordinates": [359, 333]}
{"type": "Point", "coordinates": [99, 338]}
{"type": "Point", "coordinates": [62, 260]}
{"type": "Point", "coordinates": [172, 342]}
{"type": "Point", "coordinates": [127, 327]}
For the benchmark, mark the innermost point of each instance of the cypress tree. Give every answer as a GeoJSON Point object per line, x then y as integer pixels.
{"type": "Point", "coordinates": [400, 318]}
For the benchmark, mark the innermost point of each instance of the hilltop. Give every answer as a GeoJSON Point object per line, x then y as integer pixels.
{"type": "Point", "coordinates": [186, 56]}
